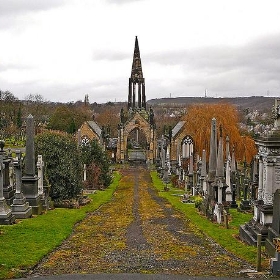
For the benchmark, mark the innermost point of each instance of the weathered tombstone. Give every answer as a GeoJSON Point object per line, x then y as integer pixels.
{"type": "Point", "coordinates": [8, 189]}
{"type": "Point", "coordinates": [43, 191]}
{"type": "Point", "coordinates": [30, 180]}
{"type": "Point", "coordinates": [274, 229]}
{"type": "Point", "coordinates": [40, 166]}
{"type": "Point", "coordinates": [269, 182]}
{"type": "Point", "coordinates": [228, 182]}
{"type": "Point", "coordinates": [20, 207]}
{"type": "Point", "coordinates": [6, 216]}
{"type": "Point", "coordinates": [165, 177]}
{"type": "Point", "coordinates": [245, 203]}
{"type": "Point", "coordinates": [233, 180]}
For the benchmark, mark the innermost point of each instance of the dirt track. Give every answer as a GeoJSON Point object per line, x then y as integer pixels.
{"type": "Point", "coordinates": [139, 232]}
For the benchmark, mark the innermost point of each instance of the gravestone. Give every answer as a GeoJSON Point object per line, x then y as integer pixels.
{"type": "Point", "coordinates": [29, 179]}
{"type": "Point", "coordinates": [274, 229]}
{"type": "Point", "coordinates": [8, 189]}
{"type": "Point", "coordinates": [6, 216]}
{"type": "Point", "coordinates": [269, 183]}
{"type": "Point", "coordinates": [20, 207]}
{"type": "Point", "coordinates": [43, 191]}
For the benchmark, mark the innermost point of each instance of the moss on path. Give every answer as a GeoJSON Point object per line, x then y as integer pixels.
{"type": "Point", "coordinates": [139, 232]}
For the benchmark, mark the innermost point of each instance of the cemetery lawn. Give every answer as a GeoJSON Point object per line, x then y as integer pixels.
{"type": "Point", "coordinates": [227, 238]}
{"type": "Point", "coordinates": [24, 244]}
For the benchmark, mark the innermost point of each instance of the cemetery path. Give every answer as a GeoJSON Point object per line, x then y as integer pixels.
{"type": "Point", "coordinates": [139, 232]}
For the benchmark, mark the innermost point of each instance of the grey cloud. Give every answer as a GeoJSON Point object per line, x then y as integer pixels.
{"type": "Point", "coordinates": [241, 70]}
{"type": "Point", "coordinates": [119, 2]}
{"type": "Point", "coordinates": [14, 7]}
{"type": "Point", "coordinates": [11, 66]}
{"type": "Point", "coordinates": [110, 55]}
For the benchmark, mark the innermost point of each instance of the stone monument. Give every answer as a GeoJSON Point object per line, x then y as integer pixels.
{"type": "Point", "coordinates": [20, 207]}
{"type": "Point", "coordinates": [6, 216]}
{"type": "Point", "coordinates": [269, 182]}
{"type": "Point", "coordinates": [30, 179]}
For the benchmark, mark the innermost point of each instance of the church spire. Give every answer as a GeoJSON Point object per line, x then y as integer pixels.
{"type": "Point", "coordinates": [136, 81]}
{"type": "Point", "coordinates": [136, 71]}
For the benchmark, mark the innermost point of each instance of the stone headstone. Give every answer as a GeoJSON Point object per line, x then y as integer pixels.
{"type": "Point", "coordinates": [20, 207]}
{"type": "Point", "coordinates": [40, 166]}
{"type": "Point", "coordinates": [213, 151]}
{"type": "Point", "coordinates": [30, 179]}
{"type": "Point", "coordinates": [6, 216]}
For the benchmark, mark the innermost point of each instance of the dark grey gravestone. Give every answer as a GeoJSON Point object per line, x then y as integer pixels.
{"type": "Point", "coordinates": [274, 229]}
{"type": "Point", "coordinates": [6, 216]}
{"type": "Point", "coordinates": [30, 180]}
{"type": "Point", "coordinates": [20, 207]}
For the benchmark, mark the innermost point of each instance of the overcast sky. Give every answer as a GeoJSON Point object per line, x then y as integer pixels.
{"type": "Point", "coordinates": [64, 49]}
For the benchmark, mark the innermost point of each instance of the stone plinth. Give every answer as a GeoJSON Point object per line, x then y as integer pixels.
{"type": "Point", "coordinates": [30, 191]}
{"type": "Point", "coordinates": [248, 232]}
{"type": "Point", "coordinates": [6, 216]}
{"type": "Point", "coordinates": [8, 190]}
{"type": "Point", "coordinates": [20, 207]}
{"type": "Point", "coordinates": [9, 193]}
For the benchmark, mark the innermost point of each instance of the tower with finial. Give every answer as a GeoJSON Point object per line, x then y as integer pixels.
{"type": "Point", "coordinates": [136, 91]}
{"type": "Point", "coordinates": [137, 128]}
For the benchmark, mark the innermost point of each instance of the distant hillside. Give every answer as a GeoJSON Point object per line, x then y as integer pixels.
{"type": "Point", "coordinates": [259, 103]}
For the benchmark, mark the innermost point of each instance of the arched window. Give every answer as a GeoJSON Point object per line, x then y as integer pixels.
{"type": "Point", "coordinates": [187, 147]}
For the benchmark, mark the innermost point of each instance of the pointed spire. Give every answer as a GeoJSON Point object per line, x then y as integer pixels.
{"type": "Point", "coordinates": [136, 71]}
{"type": "Point", "coordinates": [136, 88]}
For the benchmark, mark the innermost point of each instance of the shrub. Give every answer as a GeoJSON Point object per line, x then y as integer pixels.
{"type": "Point", "coordinates": [97, 164]}
{"type": "Point", "coordinates": [63, 167]}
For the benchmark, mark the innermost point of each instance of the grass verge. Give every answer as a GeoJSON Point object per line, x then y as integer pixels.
{"type": "Point", "coordinates": [227, 238]}
{"type": "Point", "coordinates": [27, 242]}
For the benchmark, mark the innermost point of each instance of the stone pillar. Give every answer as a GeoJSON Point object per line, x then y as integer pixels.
{"type": "Point", "coordinates": [143, 96]}
{"type": "Point", "coordinates": [20, 207]}
{"type": "Point", "coordinates": [129, 94]}
{"type": "Point", "coordinates": [139, 96]}
{"type": "Point", "coordinates": [30, 180]}
{"type": "Point", "coordinates": [228, 183]}
{"type": "Point", "coordinates": [133, 96]}
{"type": "Point", "coordinates": [8, 189]}
{"type": "Point", "coordinates": [220, 192]}
{"type": "Point", "coordinates": [213, 151]}
{"type": "Point", "coordinates": [6, 216]}
{"type": "Point", "coordinates": [40, 166]}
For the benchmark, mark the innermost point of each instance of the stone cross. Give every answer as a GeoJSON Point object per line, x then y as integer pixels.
{"type": "Point", "coordinates": [40, 166]}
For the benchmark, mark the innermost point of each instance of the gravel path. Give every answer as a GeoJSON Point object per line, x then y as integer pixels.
{"type": "Point", "coordinates": [139, 232]}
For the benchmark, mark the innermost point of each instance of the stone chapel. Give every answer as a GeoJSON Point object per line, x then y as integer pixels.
{"type": "Point", "coordinates": [136, 130]}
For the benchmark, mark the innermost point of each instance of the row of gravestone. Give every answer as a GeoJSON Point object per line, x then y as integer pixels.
{"type": "Point", "coordinates": [21, 189]}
